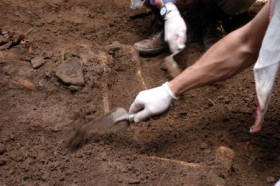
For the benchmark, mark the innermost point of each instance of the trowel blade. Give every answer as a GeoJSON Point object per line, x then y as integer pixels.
{"type": "Point", "coordinates": [114, 121]}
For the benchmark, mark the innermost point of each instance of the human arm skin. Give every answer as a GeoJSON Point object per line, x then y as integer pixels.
{"type": "Point", "coordinates": [226, 58]}
{"type": "Point", "coordinates": [159, 3]}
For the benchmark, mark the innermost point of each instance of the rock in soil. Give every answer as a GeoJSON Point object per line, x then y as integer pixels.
{"type": "Point", "coordinates": [71, 72]}
{"type": "Point", "coordinates": [37, 62]}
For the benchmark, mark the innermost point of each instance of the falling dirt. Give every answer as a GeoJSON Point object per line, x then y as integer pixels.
{"type": "Point", "coordinates": [204, 139]}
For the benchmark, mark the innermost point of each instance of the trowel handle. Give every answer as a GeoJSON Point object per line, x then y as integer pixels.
{"type": "Point", "coordinates": [131, 118]}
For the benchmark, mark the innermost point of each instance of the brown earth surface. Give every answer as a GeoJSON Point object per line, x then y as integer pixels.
{"type": "Point", "coordinates": [204, 139]}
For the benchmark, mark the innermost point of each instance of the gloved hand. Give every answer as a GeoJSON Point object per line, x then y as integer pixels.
{"type": "Point", "coordinates": [175, 30]}
{"type": "Point", "coordinates": [151, 102]}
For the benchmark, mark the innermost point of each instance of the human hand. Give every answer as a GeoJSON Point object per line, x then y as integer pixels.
{"type": "Point", "coordinates": [151, 102]}
{"type": "Point", "coordinates": [175, 30]}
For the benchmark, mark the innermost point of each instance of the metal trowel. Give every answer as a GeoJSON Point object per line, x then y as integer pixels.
{"type": "Point", "coordinates": [112, 122]}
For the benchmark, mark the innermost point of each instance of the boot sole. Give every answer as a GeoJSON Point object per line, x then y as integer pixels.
{"type": "Point", "coordinates": [150, 51]}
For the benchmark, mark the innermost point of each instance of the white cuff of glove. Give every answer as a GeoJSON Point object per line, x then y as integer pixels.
{"type": "Point", "coordinates": [169, 91]}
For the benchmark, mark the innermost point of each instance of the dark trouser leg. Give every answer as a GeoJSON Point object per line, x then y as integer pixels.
{"type": "Point", "coordinates": [211, 19]}
{"type": "Point", "coordinates": [214, 23]}
{"type": "Point", "coordinates": [205, 18]}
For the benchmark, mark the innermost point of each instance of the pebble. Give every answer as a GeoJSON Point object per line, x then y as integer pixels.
{"type": "Point", "coordinates": [39, 24]}
{"type": "Point", "coordinates": [12, 171]}
{"type": "Point", "coordinates": [37, 62]}
{"type": "Point", "coordinates": [203, 145]}
{"type": "Point", "coordinates": [226, 152]}
{"type": "Point", "coordinates": [227, 101]}
{"type": "Point", "coordinates": [56, 128]}
{"type": "Point", "coordinates": [270, 179]}
{"type": "Point", "coordinates": [26, 58]}
{"type": "Point", "coordinates": [74, 88]}
{"type": "Point", "coordinates": [225, 156]}
{"type": "Point", "coordinates": [210, 103]}
{"type": "Point", "coordinates": [134, 181]}
{"type": "Point", "coordinates": [2, 162]}
{"type": "Point", "coordinates": [48, 55]}
{"type": "Point", "coordinates": [2, 149]}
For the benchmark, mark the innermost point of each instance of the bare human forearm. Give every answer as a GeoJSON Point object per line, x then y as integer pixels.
{"type": "Point", "coordinates": [226, 58]}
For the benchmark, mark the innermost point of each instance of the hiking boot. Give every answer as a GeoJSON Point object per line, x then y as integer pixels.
{"type": "Point", "coordinates": [212, 34]}
{"type": "Point", "coordinates": [153, 45]}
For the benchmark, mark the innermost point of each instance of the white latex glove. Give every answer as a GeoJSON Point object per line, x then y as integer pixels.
{"type": "Point", "coordinates": [151, 102]}
{"type": "Point", "coordinates": [175, 30]}
{"type": "Point", "coordinates": [278, 183]}
{"type": "Point", "coordinates": [267, 66]}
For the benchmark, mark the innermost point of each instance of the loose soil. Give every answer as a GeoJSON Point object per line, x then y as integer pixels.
{"type": "Point", "coordinates": [204, 139]}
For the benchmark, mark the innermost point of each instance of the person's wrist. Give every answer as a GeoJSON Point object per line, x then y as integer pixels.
{"type": "Point", "coordinates": [159, 4]}
{"type": "Point", "coordinates": [167, 8]}
{"type": "Point", "coordinates": [169, 91]}
{"type": "Point", "coordinates": [173, 88]}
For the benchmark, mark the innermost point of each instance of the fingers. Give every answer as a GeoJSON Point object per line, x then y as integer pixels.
{"type": "Point", "coordinates": [181, 40]}
{"type": "Point", "coordinates": [142, 115]}
{"type": "Point", "coordinates": [135, 107]}
{"type": "Point", "coordinates": [175, 33]}
{"type": "Point", "coordinates": [177, 43]}
{"type": "Point", "coordinates": [150, 102]}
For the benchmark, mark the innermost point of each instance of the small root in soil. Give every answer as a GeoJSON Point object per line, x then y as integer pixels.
{"type": "Point", "coordinates": [185, 164]}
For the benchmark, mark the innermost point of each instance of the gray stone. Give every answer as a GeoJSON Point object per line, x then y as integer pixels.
{"type": "Point", "coordinates": [71, 72]}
